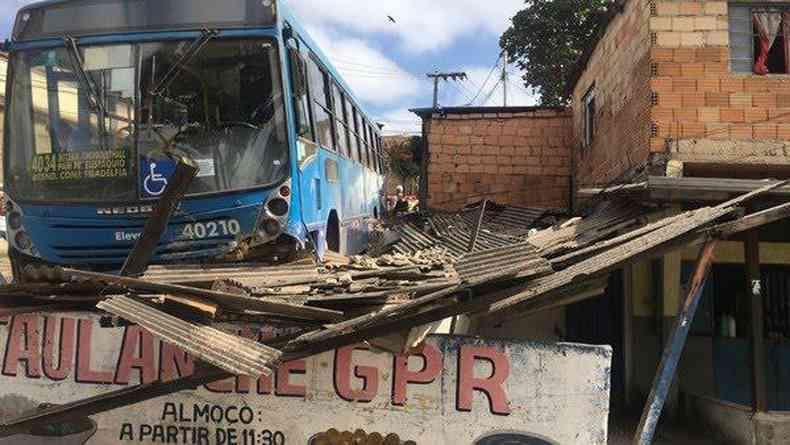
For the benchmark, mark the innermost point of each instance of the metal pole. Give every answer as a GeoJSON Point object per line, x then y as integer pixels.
{"type": "Point", "coordinates": [436, 91]}
{"type": "Point", "coordinates": [752, 255]}
{"type": "Point", "coordinates": [674, 348]}
{"type": "Point", "coordinates": [504, 75]}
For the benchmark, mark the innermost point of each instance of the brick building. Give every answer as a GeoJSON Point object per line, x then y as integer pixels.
{"type": "Point", "coordinates": [699, 91]}
{"type": "Point", "coordinates": [514, 155]}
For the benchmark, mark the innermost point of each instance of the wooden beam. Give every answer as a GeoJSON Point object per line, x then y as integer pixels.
{"type": "Point", "coordinates": [674, 348]}
{"type": "Point", "coordinates": [224, 299]}
{"type": "Point", "coordinates": [752, 255]}
{"type": "Point", "coordinates": [138, 259]}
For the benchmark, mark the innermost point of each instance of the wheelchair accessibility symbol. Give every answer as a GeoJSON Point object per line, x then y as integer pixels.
{"type": "Point", "coordinates": [154, 184]}
{"type": "Point", "coordinates": [154, 174]}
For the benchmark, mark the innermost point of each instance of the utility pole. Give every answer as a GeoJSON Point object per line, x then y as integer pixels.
{"type": "Point", "coordinates": [437, 76]}
{"type": "Point", "coordinates": [504, 75]}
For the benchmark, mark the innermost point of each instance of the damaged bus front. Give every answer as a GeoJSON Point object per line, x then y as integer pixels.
{"type": "Point", "coordinates": [97, 119]}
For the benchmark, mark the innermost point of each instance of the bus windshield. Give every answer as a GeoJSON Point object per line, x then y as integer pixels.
{"type": "Point", "coordinates": [100, 123]}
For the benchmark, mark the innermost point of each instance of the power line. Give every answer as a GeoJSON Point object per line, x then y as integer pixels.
{"type": "Point", "coordinates": [491, 73]}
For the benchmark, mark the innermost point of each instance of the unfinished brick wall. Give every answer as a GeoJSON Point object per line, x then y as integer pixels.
{"type": "Point", "coordinates": [513, 158]}
{"type": "Point", "coordinates": [618, 72]}
{"type": "Point", "coordinates": [701, 106]}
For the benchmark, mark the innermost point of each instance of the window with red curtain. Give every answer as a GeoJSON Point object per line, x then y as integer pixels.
{"type": "Point", "coordinates": [759, 39]}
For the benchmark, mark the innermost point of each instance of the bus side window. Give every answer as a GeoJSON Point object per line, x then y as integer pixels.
{"type": "Point", "coordinates": [322, 114]}
{"type": "Point", "coordinates": [301, 99]}
{"type": "Point", "coordinates": [340, 121]}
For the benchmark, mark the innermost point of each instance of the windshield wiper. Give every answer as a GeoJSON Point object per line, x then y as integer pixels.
{"type": "Point", "coordinates": [84, 79]}
{"type": "Point", "coordinates": [194, 49]}
{"type": "Point", "coordinates": [86, 82]}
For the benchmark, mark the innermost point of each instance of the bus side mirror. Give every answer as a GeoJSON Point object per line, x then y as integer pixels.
{"type": "Point", "coordinates": [5, 46]}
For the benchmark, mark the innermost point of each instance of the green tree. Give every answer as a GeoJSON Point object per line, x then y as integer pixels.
{"type": "Point", "coordinates": [405, 162]}
{"type": "Point", "coordinates": [547, 39]}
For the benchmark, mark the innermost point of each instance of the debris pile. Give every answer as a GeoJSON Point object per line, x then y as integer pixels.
{"type": "Point", "coordinates": [445, 266]}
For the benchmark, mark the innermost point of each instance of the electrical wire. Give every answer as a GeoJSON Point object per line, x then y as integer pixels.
{"type": "Point", "coordinates": [490, 73]}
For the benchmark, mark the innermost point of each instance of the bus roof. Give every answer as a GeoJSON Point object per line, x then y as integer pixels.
{"type": "Point", "coordinates": [285, 14]}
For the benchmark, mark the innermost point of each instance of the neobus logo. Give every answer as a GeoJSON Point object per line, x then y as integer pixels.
{"type": "Point", "coordinates": [130, 210]}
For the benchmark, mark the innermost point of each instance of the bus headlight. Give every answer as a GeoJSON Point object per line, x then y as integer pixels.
{"type": "Point", "coordinates": [278, 207]}
{"type": "Point", "coordinates": [271, 227]}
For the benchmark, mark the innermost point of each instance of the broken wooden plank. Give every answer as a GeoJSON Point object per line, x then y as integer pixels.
{"type": "Point", "coordinates": [204, 307]}
{"type": "Point", "coordinates": [236, 302]}
{"type": "Point", "coordinates": [155, 227]}
{"type": "Point", "coordinates": [674, 348]}
{"type": "Point", "coordinates": [237, 355]}
{"type": "Point", "coordinates": [613, 257]}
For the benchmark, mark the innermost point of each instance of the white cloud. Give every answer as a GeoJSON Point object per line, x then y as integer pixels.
{"type": "Point", "coordinates": [399, 122]}
{"type": "Point", "coordinates": [373, 77]}
{"type": "Point", "coordinates": [420, 25]}
{"type": "Point", "coordinates": [8, 10]}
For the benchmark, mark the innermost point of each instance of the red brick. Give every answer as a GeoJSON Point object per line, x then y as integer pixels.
{"type": "Point", "coordinates": [684, 85]}
{"type": "Point", "coordinates": [662, 114]}
{"type": "Point", "coordinates": [690, 8]}
{"type": "Point", "coordinates": [764, 100]}
{"type": "Point", "coordinates": [731, 85]}
{"type": "Point", "coordinates": [694, 100]}
{"type": "Point", "coordinates": [753, 115]}
{"type": "Point", "coordinates": [783, 100]}
{"type": "Point", "coordinates": [741, 132]}
{"type": "Point", "coordinates": [662, 54]}
{"type": "Point", "coordinates": [721, 100]}
{"type": "Point", "coordinates": [709, 115]}
{"type": "Point", "coordinates": [732, 115]}
{"type": "Point", "coordinates": [709, 55]}
{"type": "Point", "coordinates": [684, 55]}
{"type": "Point", "coordinates": [756, 85]}
{"type": "Point", "coordinates": [693, 130]}
{"type": "Point", "coordinates": [686, 115]}
{"type": "Point", "coordinates": [661, 84]}
{"type": "Point", "coordinates": [709, 85]}
{"type": "Point", "coordinates": [668, 69]}
{"type": "Point", "coordinates": [692, 69]}
{"type": "Point", "coordinates": [783, 132]}
{"type": "Point", "coordinates": [765, 131]}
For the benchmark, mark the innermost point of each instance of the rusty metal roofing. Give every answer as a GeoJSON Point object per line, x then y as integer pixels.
{"type": "Point", "coordinates": [502, 226]}
{"type": "Point", "coordinates": [234, 354]}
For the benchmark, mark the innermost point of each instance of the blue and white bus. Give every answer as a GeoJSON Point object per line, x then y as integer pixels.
{"type": "Point", "coordinates": [102, 93]}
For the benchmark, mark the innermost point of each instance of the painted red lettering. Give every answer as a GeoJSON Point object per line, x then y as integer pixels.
{"type": "Point", "coordinates": [284, 386]}
{"type": "Point", "coordinates": [368, 374]}
{"type": "Point", "coordinates": [63, 349]}
{"type": "Point", "coordinates": [175, 363]}
{"type": "Point", "coordinates": [431, 369]}
{"type": "Point", "coordinates": [84, 344]}
{"type": "Point", "coordinates": [137, 352]}
{"type": "Point", "coordinates": [23, 345]}
{"type": "Point", "coordinates": [493, 386]}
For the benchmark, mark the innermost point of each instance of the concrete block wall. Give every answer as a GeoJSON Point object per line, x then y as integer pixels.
{"type": "Point", "coordinates": [697, 97]}
{"type": "Point", "coordinates": [513, 158]}
{"type": "Point", "coordinates": [618, 72]}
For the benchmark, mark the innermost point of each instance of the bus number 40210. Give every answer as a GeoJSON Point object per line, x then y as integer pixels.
{"type": "Point", "coordinates": [212, 229]}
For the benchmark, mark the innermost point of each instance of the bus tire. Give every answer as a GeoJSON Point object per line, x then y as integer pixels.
{"type": "Point", "coordinates": [333, 232]}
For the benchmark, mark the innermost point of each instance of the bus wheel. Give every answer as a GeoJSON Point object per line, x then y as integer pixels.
{"type": "Point", "coordinates": [333, 233]}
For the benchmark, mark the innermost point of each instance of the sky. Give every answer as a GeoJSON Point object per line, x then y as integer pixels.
{"type": "Point", "coordinates": [386, 63]}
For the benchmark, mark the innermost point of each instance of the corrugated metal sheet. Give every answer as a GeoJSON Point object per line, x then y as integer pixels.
{"type": "Point", "coordinates": [234, 354]}
{"type": "Point", "coordinates": [507, 262]}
